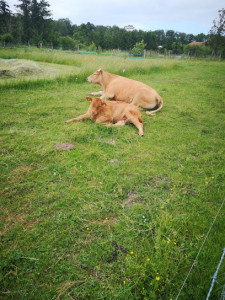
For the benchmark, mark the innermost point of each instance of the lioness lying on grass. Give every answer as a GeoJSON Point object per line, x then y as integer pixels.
{"type": "Point", "coordinates": [109, 112]}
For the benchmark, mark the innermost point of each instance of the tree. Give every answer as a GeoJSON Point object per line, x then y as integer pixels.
{"type": "Point", "coordinates": [6, 38]}
{"type": "Point", "coordinates": [5, 15]}
{"type": "Point", "coordinates": [190, 38]}
{"type": "Point", "coordinates": [24, 8]}
{"type": "Point", "coordinates": [82, 34]}
{"type": "Point", "coordinates": [92, 47]}
{"type": "Point", "coordinates": [201, 37]}
{"type": "Point", "coordinates": [16, 28]}
{"type": "Point", "coordinates": [217, 34]}
{"type": "Point", "coordinates": [151, 40]}
{"type": "Point", "coordinates": [108, 39]}
{"type": "Point", "coordinates": [35, 20]}
{"type": "Point", "coordinates": [170, 39]}
{"type": "Point", "coordinates": [67, 43]}
{"type": "Point", "coordinates": [64, 27]}
{"type": "Point", "coordinates": [39, 14]}
{"type": "Point", "coordinates": [98, 36]}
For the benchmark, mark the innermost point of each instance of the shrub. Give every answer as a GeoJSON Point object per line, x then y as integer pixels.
{"type": "Point", "coordinates": [92, 47]}
{"type": "Point", "coordinates": [138, 49]}
{"type": "Point", "coordinates": [197, 50]}
{"type": "Point", "coordinates": [66, 42]}
{"type": "Point", "coordinates": [7, 38]}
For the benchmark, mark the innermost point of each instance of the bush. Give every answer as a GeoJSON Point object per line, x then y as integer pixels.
{"type": "Point", "coordinates": [66, 42]}
{"type": "Point", "coordinates": [92, 47]}
{"type": "Point", "coordinates": [197, 50]}
{"type": "Point", "coordinates": [7, 38]}
{"type": "Point", "coordinates": [138, 49]}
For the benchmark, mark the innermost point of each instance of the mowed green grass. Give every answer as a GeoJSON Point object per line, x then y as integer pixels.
{"type": "Point", "coordinates": [119, 216]}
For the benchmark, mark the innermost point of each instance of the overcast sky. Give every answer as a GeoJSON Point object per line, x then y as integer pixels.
{"type": "Point", "coordinates": [189, 16]}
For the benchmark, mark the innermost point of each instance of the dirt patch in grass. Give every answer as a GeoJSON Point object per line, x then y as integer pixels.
{"type": "Point", "coordinates": [22, 170]}
{"type": "Point", "coordinates": [10, 219]}
{"type": "Point", "coordinates": [130, 200]}
{"type": "Point", "coordinates": [64, 146]}
{"type": "Point", "coordinates": [114, 161]}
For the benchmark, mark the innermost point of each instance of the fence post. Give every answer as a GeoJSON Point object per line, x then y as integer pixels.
{"type": "Point", "coordinates": [187, 56]}
{"type": "Point", "coordinates": [144, 53]}
{"type": "Point", "coordinates": [40, 45]}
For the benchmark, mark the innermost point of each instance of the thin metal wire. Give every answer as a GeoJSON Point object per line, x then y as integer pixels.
{"type": "Point", "coordinates": [215, 274]}
{"type": "Point", "coordinates": [222, 297]}
{"type": "Point", "coordinates": [200, 249]}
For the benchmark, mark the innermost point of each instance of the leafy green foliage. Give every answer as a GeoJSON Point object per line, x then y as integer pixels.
{"type": "Point", "coordinates": [197, 50]}
{"type": "Point", "coordinates": [67, 42]}
{"type": "Point", "coordinates": [7, 37]}
{"type": "Point", "coordinates": [5, 14]}
{"type": "Point", "coordinates": [138, 49]}
{"type": "Point", "coordinates": [33, 25]}
{"type": "Point", "coordinates": [92, 47]}
{"type": "Point", "coordinates": [217, 34]}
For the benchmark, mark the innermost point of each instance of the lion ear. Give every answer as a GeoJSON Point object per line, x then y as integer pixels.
{"type": "Point", "coordinates": [104, 104]}
{"type": "Point", "coordinates": [100, 70]}
{"type": "Point", "coordinates": [88, 98]}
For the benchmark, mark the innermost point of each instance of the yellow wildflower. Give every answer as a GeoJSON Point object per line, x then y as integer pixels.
{"type": "Point", "coordinates": [157, 278]}
{"type": "Point", "coordinates": [88, 228]}
{"type": "Point", "coordinates": [168, 242]}
{"type": "Point", "coordinates": [131, 252]}
{"type": "Point", "coordinates": [148, 259]}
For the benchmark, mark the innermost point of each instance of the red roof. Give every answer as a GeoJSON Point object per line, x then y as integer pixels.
{"type": "Point", "coordinates": [196, 43]}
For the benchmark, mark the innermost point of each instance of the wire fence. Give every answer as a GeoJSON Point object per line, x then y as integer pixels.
{"type": "Point", "coordinates": [114, 53]}
{"type": "Point", "coordinates": [192, 266]}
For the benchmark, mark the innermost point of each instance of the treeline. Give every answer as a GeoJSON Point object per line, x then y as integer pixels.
{"type": "Point", "coordinates": [33, 25]}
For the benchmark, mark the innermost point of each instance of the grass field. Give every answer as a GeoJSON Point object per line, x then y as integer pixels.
{"type": "Point", "coordinates": [118, 216]}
